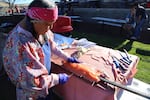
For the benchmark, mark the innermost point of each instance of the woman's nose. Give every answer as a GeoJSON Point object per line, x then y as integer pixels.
{"type": "Point", "coordinates": [51, 26]}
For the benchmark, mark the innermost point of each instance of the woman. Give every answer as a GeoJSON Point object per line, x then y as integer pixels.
{"type": "Point", "coordinates": [130, 20]}
{"type": "Point", "coordinates": [141, 17]}
{"type": "Point", "coordinates": [28, 50]}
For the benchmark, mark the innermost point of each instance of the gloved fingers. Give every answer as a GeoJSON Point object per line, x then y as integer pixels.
{"type": "Point", "coordinates": [63, 78]}
{"type": "Point", "coordinates": [73, 60]}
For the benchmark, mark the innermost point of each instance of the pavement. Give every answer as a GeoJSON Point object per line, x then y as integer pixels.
{"type": "Point", "coordinates": [136, 85]}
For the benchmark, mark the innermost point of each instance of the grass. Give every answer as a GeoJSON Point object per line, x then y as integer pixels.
{"type": "Point", "coordinates": [119, 43]}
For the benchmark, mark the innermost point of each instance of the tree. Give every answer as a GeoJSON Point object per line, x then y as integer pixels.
{"type": "Point", "coordinates": [10, 2]}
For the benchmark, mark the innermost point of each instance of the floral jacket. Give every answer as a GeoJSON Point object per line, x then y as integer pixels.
{"type": "Point", "coordinates": [23, 60]}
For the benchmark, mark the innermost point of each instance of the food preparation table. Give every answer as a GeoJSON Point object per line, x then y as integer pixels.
{"type": "Point", "coordinates": [97, 57]}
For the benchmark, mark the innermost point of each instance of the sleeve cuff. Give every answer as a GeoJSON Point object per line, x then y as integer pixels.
{"type": "Point", "coordinates": [54, 80]}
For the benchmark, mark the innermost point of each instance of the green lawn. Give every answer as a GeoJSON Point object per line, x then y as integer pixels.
{"type": "Point", "coordinates": [133, 47]}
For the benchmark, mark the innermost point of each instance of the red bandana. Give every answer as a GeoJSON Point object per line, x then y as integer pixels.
{"type": "Point", "coordinates": [43, 14]}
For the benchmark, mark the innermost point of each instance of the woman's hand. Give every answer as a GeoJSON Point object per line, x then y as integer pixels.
{"type": "Point", "coordinates": [73, 60]}
{"type": "Point", "coordinates": [63, 78]}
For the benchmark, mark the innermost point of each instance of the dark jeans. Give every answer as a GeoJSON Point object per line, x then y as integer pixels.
{"type": "Point", "coordinates": [7, 89]}
{"type": "Point", "coordinates": [138, 28]}
{"type": "Point", "coordinates": [48, 97]}
{"type": "Point", "coordinates": [51, 96]}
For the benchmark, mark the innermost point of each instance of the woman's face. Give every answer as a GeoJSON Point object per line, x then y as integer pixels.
{"type": "Point", "coordinates": [41, 27]}
{"type": "Point", "coordinates": [133, 10]}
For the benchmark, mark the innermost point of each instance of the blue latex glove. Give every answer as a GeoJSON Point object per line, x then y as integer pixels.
{"type": "Point", "coordinates": [63, 78]}
{"type": "Point", "coordinates": [73, 60]}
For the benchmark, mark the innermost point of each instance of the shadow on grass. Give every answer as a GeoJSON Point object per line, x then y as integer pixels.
{"type": "Point", "coordinates": [106, 40]}
{"type": "Point", "coordinates": [127, 46]}
{"type": "Point", "coordinates": [143, 52]}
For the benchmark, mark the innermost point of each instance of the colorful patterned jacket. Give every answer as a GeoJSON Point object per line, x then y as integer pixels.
{"type": "Point", "coordinates": [23, 60]}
